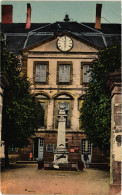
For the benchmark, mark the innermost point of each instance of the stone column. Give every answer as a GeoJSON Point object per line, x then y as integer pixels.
{"type": "Point", "coordinates": [50, 114]}
{"type": "Point", "coordinates": [75, 116]}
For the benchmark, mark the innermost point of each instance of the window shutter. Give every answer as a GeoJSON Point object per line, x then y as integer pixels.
{"type": "Point", "coordinates": [64, 73]}
{"type": "Point", "coordinates": [53, 147]}
{"type": "Point", "coordinates": [43, 73]}
{"type": "Point", "coordinates": [40, 73]}
{"type": "Point", "coordinates": [67, 73]}
{"type": "Point", "coordinates": [81, 74]}
{"type": "Point", "coordinates": [86, 74]}
{"type": "Point", "coordinates": [37, 76]}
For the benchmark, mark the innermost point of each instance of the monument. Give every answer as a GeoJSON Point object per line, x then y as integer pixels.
{"type": "Point", "coordinates": [61, 154]}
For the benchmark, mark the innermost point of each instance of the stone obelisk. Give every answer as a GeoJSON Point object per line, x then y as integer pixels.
{"type": "Point", "coordinates": [61, 154]}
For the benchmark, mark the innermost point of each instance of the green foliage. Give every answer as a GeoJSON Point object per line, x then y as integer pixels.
{"type": "Point", "coordinates": [96, 109]}
{"type": "Point", "coordinates": [21, 111]}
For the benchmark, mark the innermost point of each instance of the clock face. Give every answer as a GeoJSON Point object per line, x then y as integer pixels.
{"type": "Point", "coordinates": [64, 43]}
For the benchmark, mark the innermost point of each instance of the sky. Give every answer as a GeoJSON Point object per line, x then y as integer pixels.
{"type": "Point", "coordinates": [52, 11]}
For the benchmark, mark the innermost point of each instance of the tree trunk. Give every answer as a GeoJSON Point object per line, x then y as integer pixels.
{"type": "Point", "coordinates": [6, 155]}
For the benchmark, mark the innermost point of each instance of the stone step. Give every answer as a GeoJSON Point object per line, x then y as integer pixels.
{"type": "Point", "coordinates": [26, 162]}
{"type": "Point", "coordinates": [99, 165]}
{"type": "Point", "coordinates": [65, 167]}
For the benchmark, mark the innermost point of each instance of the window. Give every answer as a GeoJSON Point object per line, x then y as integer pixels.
{"type": "Point", "coordinates": [42, 120]}
{"type": "Point", "coordinates": [12, 148]}
{"type": "Point", "coordinates": [50, 147]}
{"type": "Point", "coordinates": [64, 75]}
{"type": "Point", "coordinates": [86, 74]}
{"type": "Point", "coordinates": [80, 104]}
{"type": "Point", "coordinates": [41, 70]}
{"type": "Point", "coordinates": [40, 73]}
{"type": "Point", "coordinates": [67, 100]}
{"type": "Point", "coordinates": [43, 99]}
{"type": "Point", "coordinates": [86, 146]}
{"type": "Point", "coordinates": [74, 149]}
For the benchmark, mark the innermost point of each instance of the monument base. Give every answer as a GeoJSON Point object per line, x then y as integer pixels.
{"type": "Point", "coordinates": [60, 157]}
{"type": "Point", "coordinates": [62, 167]}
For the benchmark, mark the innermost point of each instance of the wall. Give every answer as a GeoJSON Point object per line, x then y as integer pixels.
{"type": "Point", "coordinates": [116, 134]}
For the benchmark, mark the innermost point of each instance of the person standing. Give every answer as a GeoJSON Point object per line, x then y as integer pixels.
{"type": "Point", "coordinates": [86, 158]}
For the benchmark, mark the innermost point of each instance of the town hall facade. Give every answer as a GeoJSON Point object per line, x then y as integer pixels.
{"type": "Point", "coordinates": [57, 59]}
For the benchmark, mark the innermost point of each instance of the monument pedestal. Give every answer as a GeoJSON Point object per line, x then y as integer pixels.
{"type": "Point", "coordinates": [60, 156]}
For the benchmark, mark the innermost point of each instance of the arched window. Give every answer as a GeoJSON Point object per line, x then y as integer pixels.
{"type": "Point", "coordinates": [66, 98]}
{"type": "Point", "coordinates": [43, 99]}
{"type": "Point", "coordinates": [80, 103]}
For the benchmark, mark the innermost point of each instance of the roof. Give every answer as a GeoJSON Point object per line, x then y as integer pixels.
{"type": "Point", "coordinates": [22, 38]}
{"type": "Point", "coordinates": [20, 27]}
{"type": "Point", "coordinates": [107, 28]}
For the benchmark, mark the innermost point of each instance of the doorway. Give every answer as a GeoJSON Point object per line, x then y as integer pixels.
{"type": "Point", "coordinates": [86, 146]}
{"type": "Point", "coordinates": [38, 148]}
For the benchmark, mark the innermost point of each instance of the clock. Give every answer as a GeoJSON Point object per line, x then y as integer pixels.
{"type": "Point", "coordinates": [64, 43]}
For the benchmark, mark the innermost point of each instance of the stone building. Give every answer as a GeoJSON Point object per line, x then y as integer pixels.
{"type": "Point", "coordinates": [56, 59]}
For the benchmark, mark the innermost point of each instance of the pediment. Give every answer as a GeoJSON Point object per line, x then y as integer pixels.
{"type": "Point", "coordinates": [50, 45]}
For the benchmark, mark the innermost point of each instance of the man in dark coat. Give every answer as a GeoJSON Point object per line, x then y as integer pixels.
{"type": "Point", "coordinates": [86, 158]}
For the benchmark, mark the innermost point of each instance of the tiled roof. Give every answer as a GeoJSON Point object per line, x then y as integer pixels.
{"type": "Point", "coordinates": [94, 39]}
{"type": "Point", "coordinates": [19, 27]}
{"type": "Point", "coordinates": [35, 39]}
{"type": "Point", "coordinates": [71, 26]}
{"type": "Point", "coordinates": [108, 28]}
{"type": "Point", "coordinates": [68, 26]}
{"type": "Point", "coordinates": [15, 43]}
{"type": "Point", "coordinates": [110, 39]}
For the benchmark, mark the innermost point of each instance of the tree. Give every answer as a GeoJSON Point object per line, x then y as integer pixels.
{"type": "Point", "coordinates": [96, 110]}
{"type": "Point", "coordinates": [21, 111]}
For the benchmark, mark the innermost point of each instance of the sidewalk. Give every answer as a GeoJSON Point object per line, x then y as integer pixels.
{"type": "Point", "coordinates": [27, 179]}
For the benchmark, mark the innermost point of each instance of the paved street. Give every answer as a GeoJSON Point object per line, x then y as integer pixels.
{"type": "Point", "coordinates": [27, 179]}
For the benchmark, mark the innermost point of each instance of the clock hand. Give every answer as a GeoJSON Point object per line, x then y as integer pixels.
{"type": "Point", "coordinates": [65, 42]}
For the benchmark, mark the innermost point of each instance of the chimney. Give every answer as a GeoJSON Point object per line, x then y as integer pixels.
{"type": "Point", "coordinates": [28, 21]}
{"type": "Point", "coordinates": [98, 16]}
{"type": "Point", "coordinates": [7, 13]}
